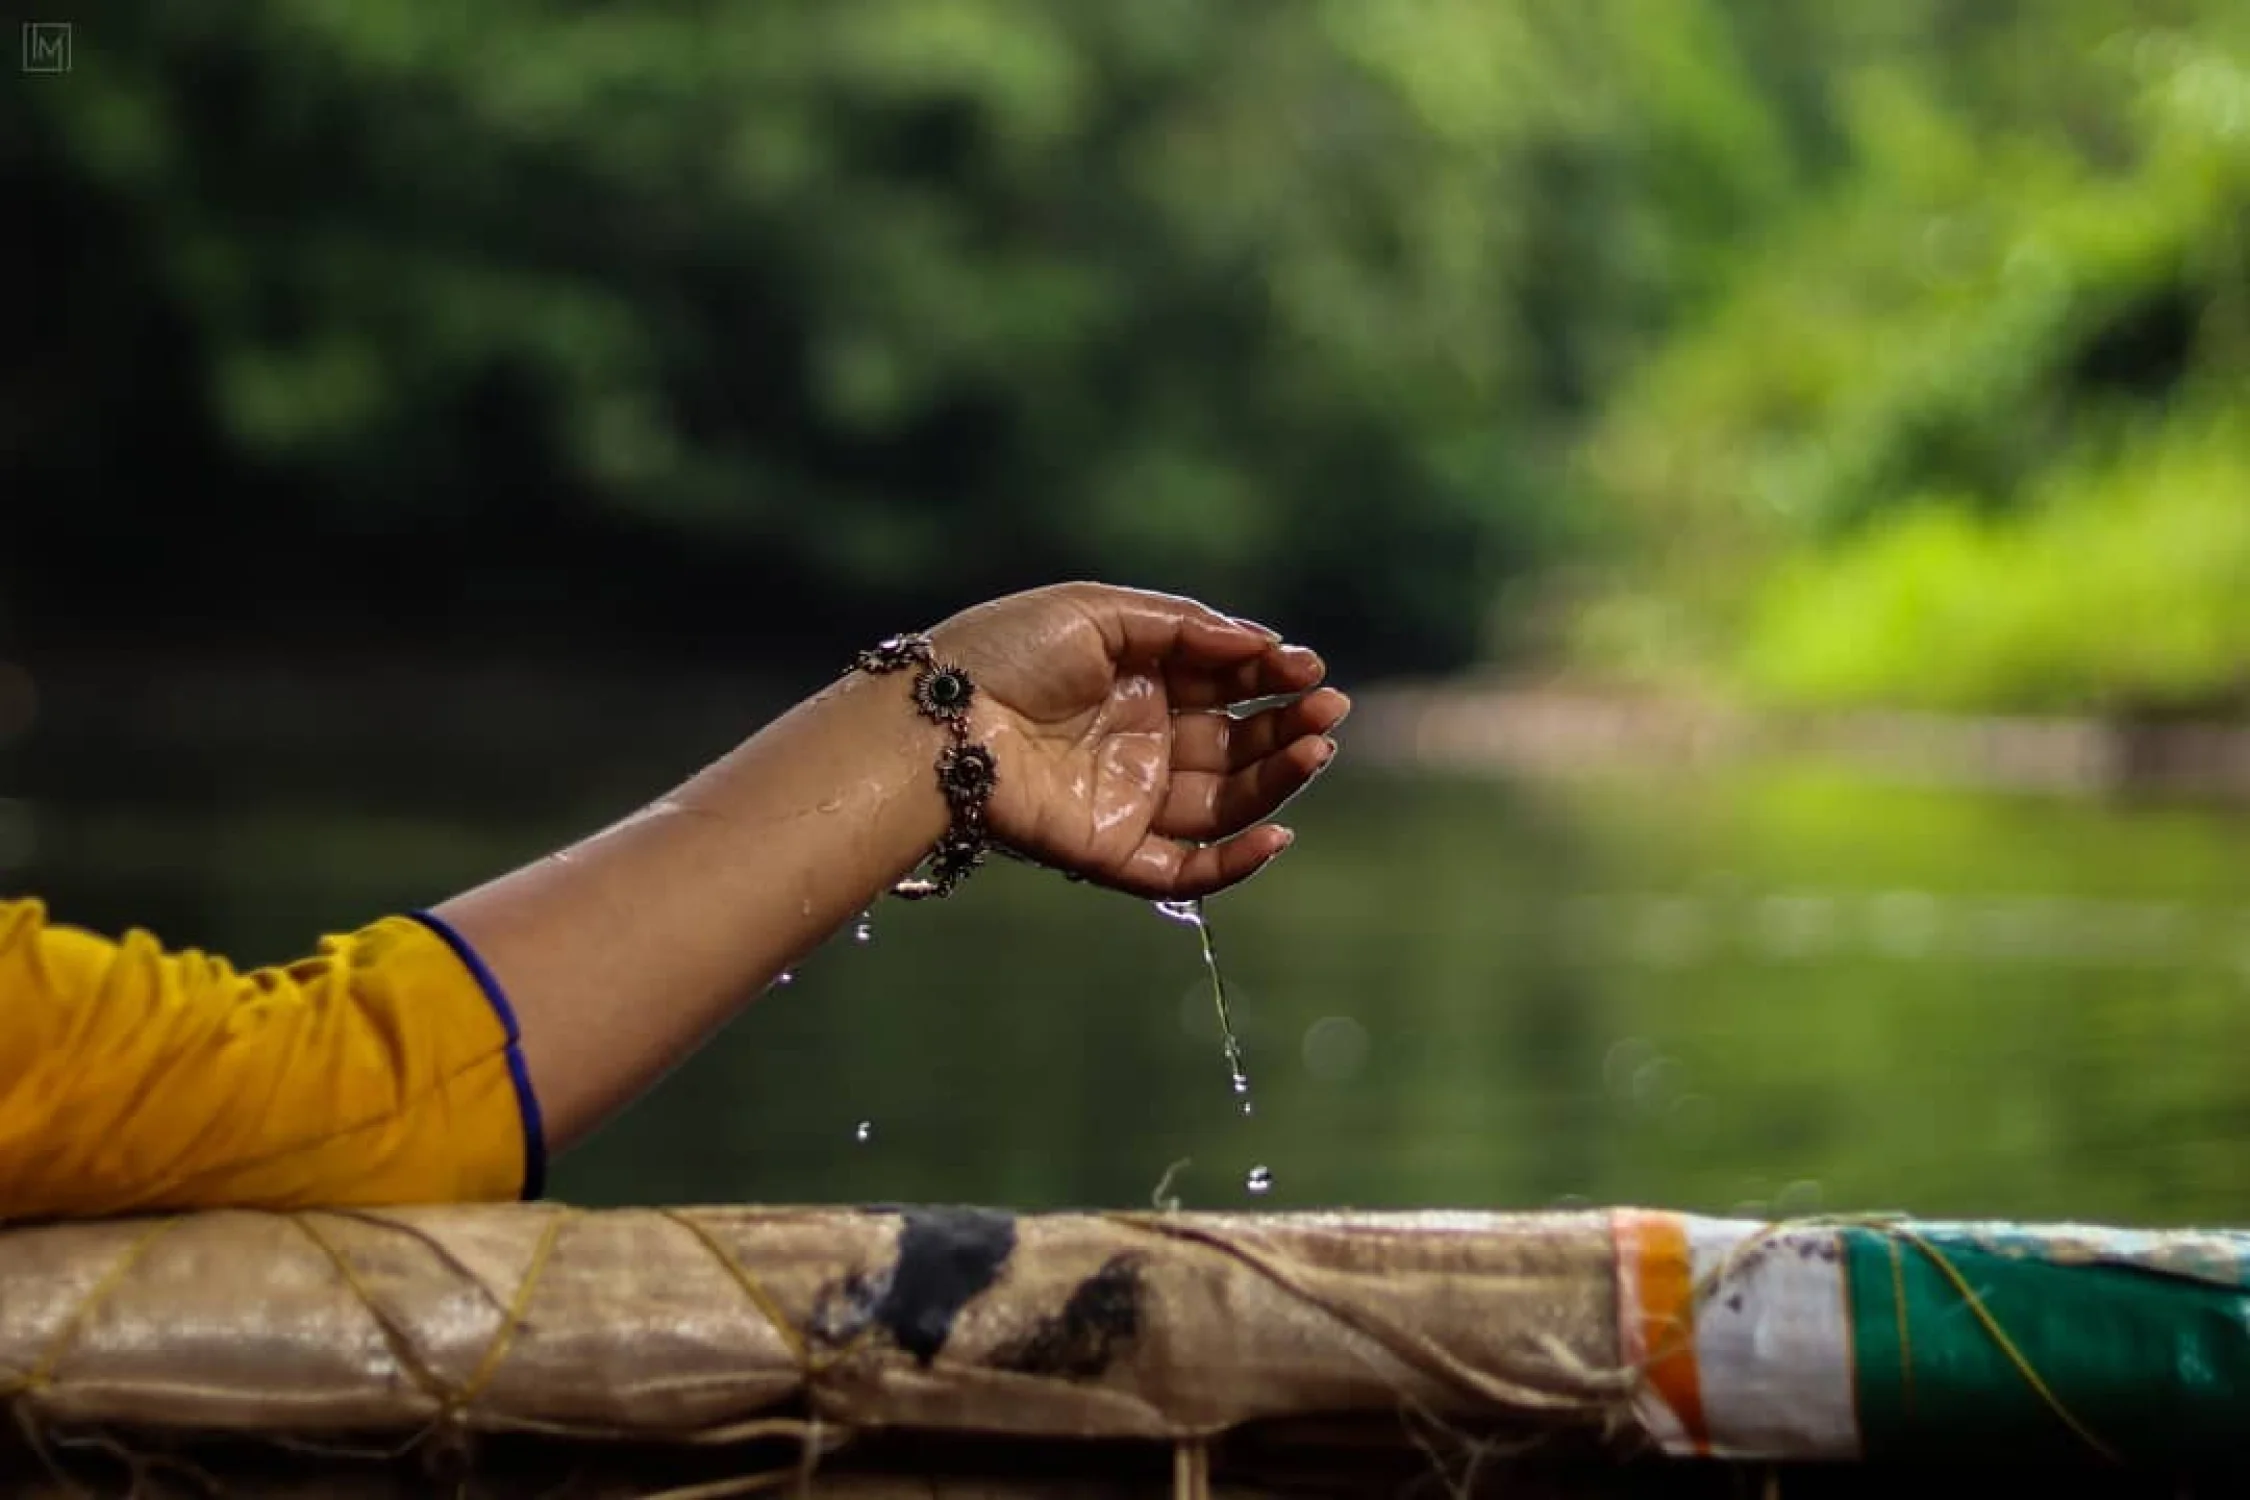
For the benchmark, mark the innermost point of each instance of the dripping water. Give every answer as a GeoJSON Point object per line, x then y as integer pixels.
{"type": "Point", "coordinates": [863, 929]}
{"type": "Point", "coordinates": [1190, 913]}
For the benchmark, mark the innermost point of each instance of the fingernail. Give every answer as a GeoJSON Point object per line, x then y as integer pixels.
{"type": "Point", "coordinates": [1267, 631]}
{"type": "Point", "coordinates": [1288, 837]}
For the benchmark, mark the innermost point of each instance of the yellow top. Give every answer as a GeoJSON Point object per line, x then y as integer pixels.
{"type": "Point", "coordinates": [382, 1070]}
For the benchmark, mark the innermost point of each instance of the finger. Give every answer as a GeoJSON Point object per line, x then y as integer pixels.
{"type": "Point", "coordinates": [1152, 627]}
{"type": "Point", "coordinates": [1208, 805]}
{"type": "Point", "coordinates": [1275, 670]}
{"type": "Point", "coordinates": [1165, 869]}
{"type": "Point", "coordinates": [1208, 659]}
{"type": "Point", "coordinates": [1214, 741]}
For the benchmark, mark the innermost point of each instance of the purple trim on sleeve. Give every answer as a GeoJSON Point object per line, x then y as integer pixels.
{"type": "Point", "coordinates": [527, 1103]}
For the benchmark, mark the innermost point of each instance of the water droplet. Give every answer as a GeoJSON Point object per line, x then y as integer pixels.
{"type": "Point", "coordinates": [864, 929]}
{"type": "Point", "coordinates": [1335, 1048]}
{"type": "Point", "coordinates": [863, 1131]}
{"type": "Point", "coordinates": [1164, 1199]}
{"type": "Point", "coordinates": [784, 979]}
{"type": "Point", "coordinates": [830, 804]}
{"type": "Point", "coordinates": [1260, 1180]}
{"type": "Point", "coordinates": [1625, 1059]}
{"type": "Point", "coordinates": [1189, 913]}
{"type": "Point", "coordinates": [1795, 925]}
{"type": "Point", "coordinates": [1655, 1083]}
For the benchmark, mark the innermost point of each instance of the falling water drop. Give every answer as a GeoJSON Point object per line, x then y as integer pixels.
{"type": "Point", "coordinates": [784, 979]}
{"type": "Point", "coordinates": [1260, 1180]}
{"type": "Point", "coordinates": [864, 1131]}
{"type": "Point", "coordinates": [863, 930]}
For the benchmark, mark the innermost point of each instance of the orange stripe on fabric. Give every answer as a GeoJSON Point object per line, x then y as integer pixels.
{"type": "Point", "coordinates": [1664, 1271]}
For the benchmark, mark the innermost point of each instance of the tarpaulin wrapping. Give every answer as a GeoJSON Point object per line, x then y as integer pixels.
{"type": "Point", "coordinates": [689, 1324]}
{"type": "Point", "coordinates": [826, 1331]}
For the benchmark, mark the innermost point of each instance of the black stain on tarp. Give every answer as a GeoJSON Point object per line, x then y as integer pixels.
{"type": "Point", "coordinates": [1097, 1324]}
{"type": "Point", "coordinates": [947, 1257]}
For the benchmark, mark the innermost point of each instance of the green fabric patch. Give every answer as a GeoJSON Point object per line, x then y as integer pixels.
{"type": "Point", "coordinates": [2152, 1368]}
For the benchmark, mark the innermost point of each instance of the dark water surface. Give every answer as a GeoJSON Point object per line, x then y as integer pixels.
{"type": "Point", "coordinates": [1793, 992]}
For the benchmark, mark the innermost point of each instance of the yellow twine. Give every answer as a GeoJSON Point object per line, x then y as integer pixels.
{"type": "Point", "coordinates": [395, 1336]}
{"type": "Point", "coordinates": [455, 1405]}
{"type": "Point", "coordinates": [2005, 1344]}
{"type": "Point", "coordinates": [1409, 1346]}
{"type": "Point", "coordinates": [723, 1489]}
{"type": "Point", "coordinates": [1191, 1470]}
{"type": "Point", "coordinates": [764, 1301]}
{"type": "Point", "coordinates": [42, 1371]}
{"type": "Point", "coordinates": [1905, 1328]}
{"type": "Point", "coordinates": [520, 1304]}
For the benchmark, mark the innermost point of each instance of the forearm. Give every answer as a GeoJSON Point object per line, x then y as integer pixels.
{"type": "Point", "coordinates": [622, 952]}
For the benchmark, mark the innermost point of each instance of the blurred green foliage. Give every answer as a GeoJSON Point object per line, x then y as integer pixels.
{"type": "Point", "coordinates": [1968, 430]}
{"type": "Point", "coordinates": [1838, 351]}
{"type": "Point", "coordinates": [1291, 303]}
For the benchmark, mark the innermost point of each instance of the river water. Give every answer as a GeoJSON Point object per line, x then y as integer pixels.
{"type": "Point", "coordinates": [1788, 993]}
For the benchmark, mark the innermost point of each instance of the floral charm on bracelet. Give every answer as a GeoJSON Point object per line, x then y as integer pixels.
{"type": "Point", "coordinates": [943, 692]}
{"type": "Point", "coordinates": [966, 771]}
{"type": "Point", "coordinates": [966, 774]}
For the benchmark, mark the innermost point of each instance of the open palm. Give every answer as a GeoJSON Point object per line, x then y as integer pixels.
{"type": "Point", "coordinates": [1107, 710]}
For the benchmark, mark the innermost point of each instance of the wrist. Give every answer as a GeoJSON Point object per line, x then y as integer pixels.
{"type": "Point", "coordinates": [943, 694]}
{"type": "Point", "coordinates": [990, 722]}
{"type": "Point", "coordinates": [904, 748]}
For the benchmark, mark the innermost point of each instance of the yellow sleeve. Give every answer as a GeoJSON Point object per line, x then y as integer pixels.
{"type": "Point", "coordinates": [382, 1070]}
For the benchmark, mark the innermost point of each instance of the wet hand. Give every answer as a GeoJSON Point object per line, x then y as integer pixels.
{"type": "Point", "coordinates": [1106, 711]}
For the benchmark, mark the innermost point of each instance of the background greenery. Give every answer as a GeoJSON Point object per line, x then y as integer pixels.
{"type": "Point", "coordinates": [1811, 350]}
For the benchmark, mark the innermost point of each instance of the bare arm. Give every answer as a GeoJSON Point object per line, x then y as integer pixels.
{"type": "Point", "coordinates": [624, 952]}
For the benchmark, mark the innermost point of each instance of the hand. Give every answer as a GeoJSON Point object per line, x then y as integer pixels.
{"type": "Point", "coordinates": [1104, 709]}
